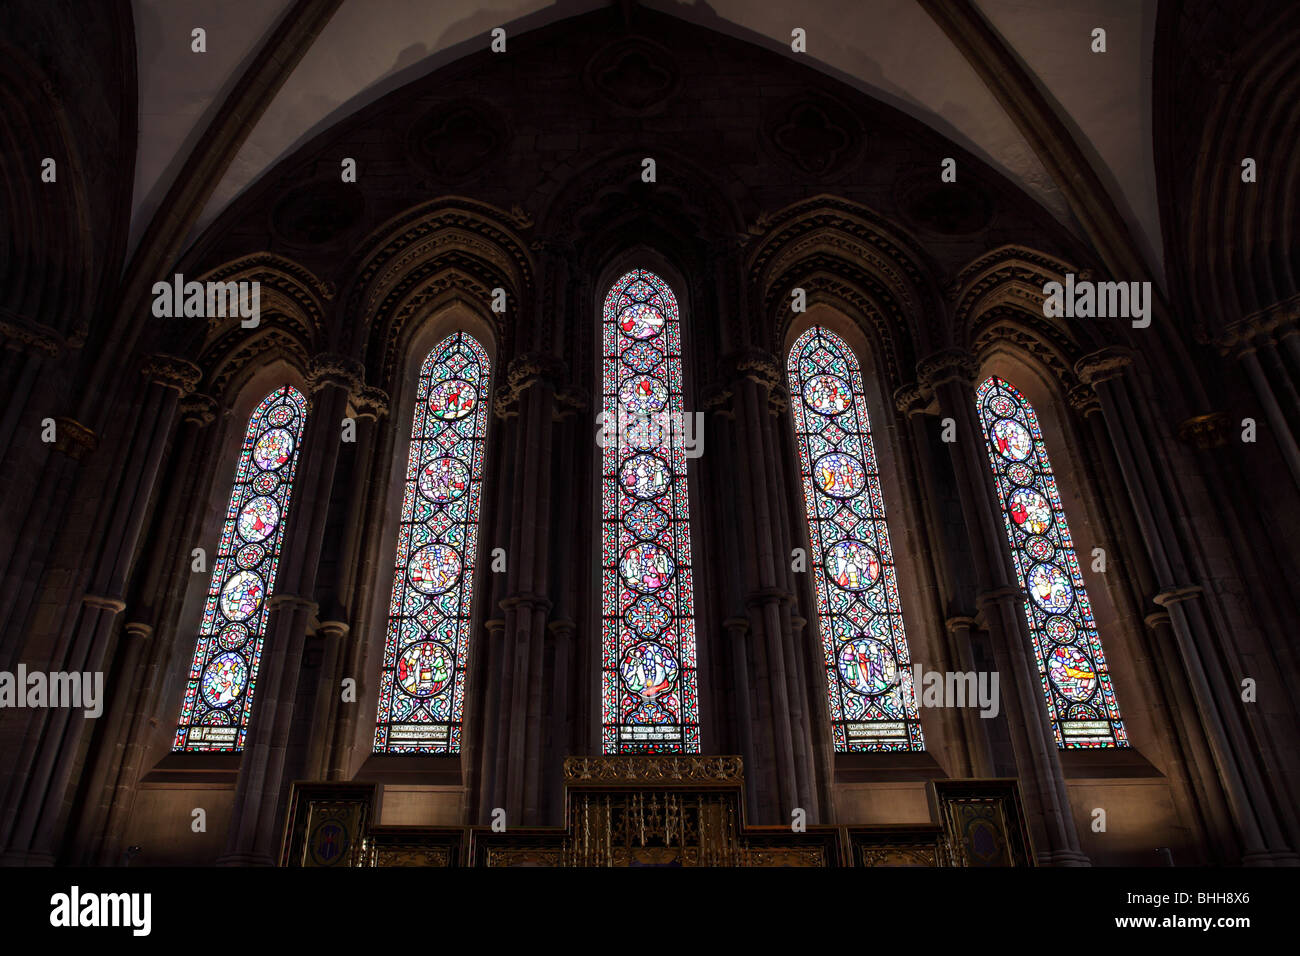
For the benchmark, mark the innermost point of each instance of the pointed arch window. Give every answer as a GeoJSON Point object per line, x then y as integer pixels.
{"type": "Point", "coordinates": [649, 694]}
{"type": "Point", "coordinates": [426, 646]}
{"type": "Point", "coordinates": [223, 672]}
{"type": "Point", "coordinates": [868, 666]}
{"type": "Point", "coordinates": [1071, 665]}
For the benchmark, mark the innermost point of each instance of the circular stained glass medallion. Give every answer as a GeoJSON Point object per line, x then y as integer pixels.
{"type": "Point", "coordinates": [434, 569]}
{"type": "Point", "coordinates": [648, 669]}
{"type": "Point", "coordinates": [1001, 406]}
{"type": "Point", "coordinates": [280, 415]}
{"type": "Point", "coordinates": [250, 556]}
{"type": "Point", "coordinates": [867, 667]}
{"type": "Point", "coordinates": [646, 567]}
{"type": "Point", "coordinates": [1072, 673]}
{"type": "Point", "coordinates": [425, 668]}
{"type": "Point", "coordinates": [1021, 474]}
{"type": "Point", "coordinates": [242, 596]}
{"type": "Point", "coordinates": [648, 617]}
{"type": "Point", "coordinates": [852, 565]}
{"type": "Point", "coordinates": [640, 320]}
{"type": "Point", "coordinates": [232, 636]}
{"type": "Point", "coordinates": [452, 399]}
{"type": "Point", "coordinates": [1060, 629]}
{"type": "Point", "coordinates": [642, 395]}
{"type": "Point", "coordinates": [1040, 549]}
{"type": "Point", "coordinates": [1011, 439]}
{"type": "Point", "coordinates": [257, 519]}
{"type": "Point", "coordinates": [642, 356]}
{"type": "Point", "coordinates": [223, 679]}
{"type": "Point", "coordinates": [839, 475]}
{"type": "Point", "coordinates": [444, 480]}
{"type": "Point", "coordinates": [1050, 587]}
{"type": "Point", "coordinates": [273, 450]}
{"type": "Point", "coordinates": [645, 476]}
{"type": "Point", "coordinates": [827, 394]}
{"type": "Point", "coordinates": [265, 483]}
{"type": "Point", "coordinates": [1029, 510]}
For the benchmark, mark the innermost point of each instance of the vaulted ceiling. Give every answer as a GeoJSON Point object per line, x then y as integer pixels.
{"type": "Point", "coordinates": [891, 49]}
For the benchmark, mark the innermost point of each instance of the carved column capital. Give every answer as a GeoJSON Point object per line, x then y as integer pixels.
{"type": "Point", "coordinates": [199, 409]}
{"type": "Point", "coordinates": [1083, 399]}
{"type": "Point", "coordinates": [138, 630]}
{"type": "Point", "coordinates": [960, 623]}
{"type": "Point", "coordinates": [104, 603]}
{"type": "Point", "coordinates": [716, 399]}
{"type": "Point", "coordinates": [292, 602]}
{"type": "Point", "coordinates": [523, 372]}
{"type": "Point", "coordinates": [27, 335]}
{"type": "Point", "coordinates": [569, 401]}
{"type": "Point", "coordinates": [1103, 365]}
{"type": "Point", "coordinates": [370, 402]}
{"type": "Point", "coordinates": [1158, 619]}
{"type": "Point", "coordinates": [1204, 431]}
{"type": "Point", "coordinates": [946, 365]}
{"type": "Point", "coordinates": [754, 365]}
{"type": "Point", "coordinates": [73, 438]}
{"type": "Point", "coordinates": [527, 601]}
{"type": "Point", "coordinates": [331, 369]}
{"type": "Point", "coordinates": [1178, 595]}
{"type": "Point", "coordinates": [911, 399]}
{"type": "Point", "coordinates": [171, 371]}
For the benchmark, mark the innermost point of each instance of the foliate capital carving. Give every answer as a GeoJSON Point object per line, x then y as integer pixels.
{"type": "Point", "coordinates": [28, 335]}
{"type": "Point", "coordinates": [569, 401]}
{"type": "Point", "coordinates": [1204, 431]}
{"type": "Point", "coordinates": [754, 365]}
{"type": "Point", "coordinates": [1083, 399]}
{"type": "Point", "coordinates": [199, 409]}
{"type": "Point", "coordinates": [525, 371]}
{"type": "Point", "coordinates": [171, 371]}
{"type": "Point", "coordinates": [371, 402]}
{"type": "Point", "coordinates": [716, 400]}
{"type": "Point", "coordinates": [947, 365]}
{"type": "Point", "coordinates": [1272, 323]}
{"type": "Point", "coordinates": [1103, 365]}
{"type": "Point", "coordinates": [330, 369]}
{"type": "Point", "coordinates": [73, 438]}
{"type": "Point", "coordinates": [910, 399]}
{"type": "Point", "coordinates": [778, 400]}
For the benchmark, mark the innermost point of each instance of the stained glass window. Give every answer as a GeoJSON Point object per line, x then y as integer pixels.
{"type": "Point", "coordinates": [426, 648]}
{"type": "Point", "coordinates": [223, 675]}
{"type": "Point", "coordinates": [868, 667]}
{"type": "Point", "coordinates": [1071, 666]}
{"type": "Point", "coordinates": [649, 695]}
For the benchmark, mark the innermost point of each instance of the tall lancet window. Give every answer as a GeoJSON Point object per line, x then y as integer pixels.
{"type": "Point", "coordinates": [223, 674]}
{"type": "Point", "coordinates": [868, 667]}
{"type": "Point", "coordinates": [649, 696]}
{"type": "Point", "coordinates": [1071, 666]}
{"type": "Point", "coordinates": [422, 683]}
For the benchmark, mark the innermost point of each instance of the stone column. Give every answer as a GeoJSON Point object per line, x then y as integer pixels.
{"type": "Point", "coordinates": [55, 738]}
{"type": "Point", "coordinates": [367, 574]}
{"type": "Point", "coordinates": [1254, 342]}
{"type": "Point", "coordinates": [950, 375]}
{"type": "Point", "coordinates": [517, 778]}
{"type": "Point", "coordinates": [254, 832]}
{"type": "Point", "coordinates": [763, 491]}
{"type": "Point", "coordinates": [1215, 694]}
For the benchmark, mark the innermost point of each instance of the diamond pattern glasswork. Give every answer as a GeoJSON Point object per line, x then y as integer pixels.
{"type": "Point", "coordinates": [868, 667]}
{"type": "Point", "coordinates": [1075, 682]}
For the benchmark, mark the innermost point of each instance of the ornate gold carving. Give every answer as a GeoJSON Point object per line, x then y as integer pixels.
{"type": "Point", "coordinates": [638, 768]}
{"type": "Point", "coordinates": [1103, 365]}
